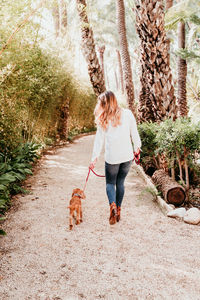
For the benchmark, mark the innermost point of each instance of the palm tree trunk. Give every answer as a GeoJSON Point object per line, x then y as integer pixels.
{"type": "Point", "coordinates": [88, 47]}
{"type": "Point", "coordinates": [157, 99]}
{"type": "Point", "coordinates": [63, 17]}
{"type": "Point", "coordinates": [182, 73]}
{"type": "Point", "coordinates": [101, 55]}
{"type": "Point", "coordinates": [126, 61]}
{"type": "Point", "coordinates": [120, 71]}
{"type": "Point", "coordinates": [56, 18]}
{"type": "Point", "coordinates": [145, 108]}
{"type": "Point", "coordinates": [168, 4]}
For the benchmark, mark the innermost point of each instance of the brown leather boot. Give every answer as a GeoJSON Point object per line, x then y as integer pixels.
{"type": "Point", "coordinates": [113, 213]}
{"type": "Point", "coordinates": [118, 213]}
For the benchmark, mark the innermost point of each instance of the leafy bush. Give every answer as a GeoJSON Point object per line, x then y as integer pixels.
{"type": "Point", "coordinates": [33, 90]}
{"type": "Point", "coordinates": [148, 132]}
{"type": "Point", "coordinates": [14, 169]}
{"type": "Point", "coordinates": [178, 136]}
{"type": "Point", "coordinates": [177, 142]}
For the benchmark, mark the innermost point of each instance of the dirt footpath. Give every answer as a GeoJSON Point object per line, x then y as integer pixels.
{"type": "Point", "coordinates": [144, 256]}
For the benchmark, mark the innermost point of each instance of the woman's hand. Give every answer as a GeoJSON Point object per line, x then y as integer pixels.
{"type": "Point", "coordinates": [137, 156]}
{"type": "Point", "coordinates": [92, 164]}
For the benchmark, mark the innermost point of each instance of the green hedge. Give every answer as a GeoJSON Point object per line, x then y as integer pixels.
{"type": "Point", "coordinates": [178, 142]}
{"type": "Point", "coordinates": [34, 87]}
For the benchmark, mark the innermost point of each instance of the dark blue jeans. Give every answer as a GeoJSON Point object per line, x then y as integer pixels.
{"type": "Point", "coordinates": [115, 177]}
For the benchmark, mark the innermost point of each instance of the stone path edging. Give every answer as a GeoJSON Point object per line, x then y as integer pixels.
{"type": "Point", "coordinates": [165, 208]}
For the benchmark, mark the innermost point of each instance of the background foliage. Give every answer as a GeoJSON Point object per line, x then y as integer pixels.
{"type": "Point", "coordinates": [173, 140]}
{"type": "Point", "coordinates": [36, 80]}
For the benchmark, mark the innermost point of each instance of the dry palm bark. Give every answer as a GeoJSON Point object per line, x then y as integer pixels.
{"type": "Point", "coordinates": [88, 47]}
{"type": "Point", "coordinates": [168, 4]}
{"type": "Point", "coordinates": [120, 71]}
{"type": "Point", "coordinates": [63, 17]}
{"type": "Point", "coordinates": [173, 192]}
{"type": "Point", "coordinates": [125, 57]}
{"type": "Point", "coordinates": [182, 73]}
{"type": "Point", "coordinates": [157, 100]}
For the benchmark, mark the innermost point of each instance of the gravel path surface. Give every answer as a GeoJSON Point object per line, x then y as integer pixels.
{"type": "Point", "coordinates": [144, 256]}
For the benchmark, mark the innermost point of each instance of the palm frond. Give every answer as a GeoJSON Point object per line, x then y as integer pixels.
{"type": "Point", "coordinates": [194, 19]}
{"type": "Point", "coordinates": [183, 11]}
{"type": "Point", "coordinates": [186, 54]}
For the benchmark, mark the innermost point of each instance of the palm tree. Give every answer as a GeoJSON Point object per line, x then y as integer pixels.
{"type": "Point", "coordinates": [185, 12]}
{"type": "Point", "coordinates": [125, 57]}
{"type": "Point", "coordinates": [88, 46]}
{"type": "Point", "coordinates": [157, 100]}
{"type": "Point", "coordinates": [101, 50]}
{"type": "Point", "coordinates": [182, 73]}
{"type": "Point", "coordinates": [168, 4]}
{"type": "Point", "coordinates": [120, 71]}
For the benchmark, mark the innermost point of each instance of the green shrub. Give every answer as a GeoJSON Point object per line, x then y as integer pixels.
{"type": "Point", "coordinates": [34, 87]}
{"type": "Point", "coordinates": [178, 136]}
{"type": "Point", "coordinates": [14, 169]}
{"type": "Point", "coordinates": [148, 132]}
{"type": "Point", "coordinates": [178, 142]}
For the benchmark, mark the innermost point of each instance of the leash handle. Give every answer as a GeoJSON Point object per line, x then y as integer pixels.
{"type": "Point", "coordinates": [137, 157]}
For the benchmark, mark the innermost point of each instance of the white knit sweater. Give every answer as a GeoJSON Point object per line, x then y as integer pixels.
{"type": "Point", "coordinates": [118, 140]}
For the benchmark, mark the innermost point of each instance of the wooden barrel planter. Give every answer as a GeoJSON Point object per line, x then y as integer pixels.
{"type": "Point", "coordinates": [173, 192]}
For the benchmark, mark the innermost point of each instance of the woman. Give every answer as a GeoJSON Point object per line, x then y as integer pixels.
{"type": "Point", "coordinates": [118, 128]}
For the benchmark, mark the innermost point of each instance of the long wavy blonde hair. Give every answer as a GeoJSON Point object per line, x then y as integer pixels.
{"type": "Point", "coordinates": [107, 109]}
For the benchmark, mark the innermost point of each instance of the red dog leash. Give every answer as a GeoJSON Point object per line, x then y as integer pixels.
{"type": "Point", "coordinates": [136, 158]}
{"type": "Point", "coordinates": [88, 177]}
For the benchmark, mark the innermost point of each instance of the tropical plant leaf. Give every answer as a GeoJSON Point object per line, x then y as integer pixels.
{"type": "Point", "coordinates": [186, 54]}
{"type": "Point", "coordinates": [3, 187]}
{"type": "Point", "coordinates": [28, 171]}
{"type": "Point", "coordinates": [7, 178]}
{"type": "Point", "coordinates": [2, 232]}
{"type": "Point", "coordinates": [194, 19]}
{"type": "Point", "coordinates": [182, 11]}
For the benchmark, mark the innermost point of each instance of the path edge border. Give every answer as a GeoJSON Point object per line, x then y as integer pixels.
{"type": "Point", "coordinates": [164, 207]}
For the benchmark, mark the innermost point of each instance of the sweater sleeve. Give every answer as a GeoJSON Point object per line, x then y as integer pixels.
{"type": "Point", "coordinates": [98, 143]}
{"type": "Point", "coordinates": [134, 132]}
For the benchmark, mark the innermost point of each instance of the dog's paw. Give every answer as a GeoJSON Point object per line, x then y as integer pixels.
{"type": "Point", "coordinates": [81, 220]}
{"type": "Point", "coordinates": [77, 222]}
{"type": "Point", "coordinates": [70, 227]}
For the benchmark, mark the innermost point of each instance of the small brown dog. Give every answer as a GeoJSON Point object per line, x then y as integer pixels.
{"type": "Point", "coordinates": [75, 205]}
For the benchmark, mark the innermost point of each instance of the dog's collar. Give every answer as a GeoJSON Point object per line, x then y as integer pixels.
{"type": "Point", "coordinates": [78, 195]}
